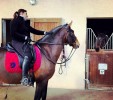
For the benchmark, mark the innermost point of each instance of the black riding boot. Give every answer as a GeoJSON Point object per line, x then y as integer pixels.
{"type": "Point", "coordinates": [25, 68]}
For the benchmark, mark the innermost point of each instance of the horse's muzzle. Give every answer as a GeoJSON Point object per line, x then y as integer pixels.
{"type": "Point", "coordinates": [76, 46]}
{"type": "Point", "coordinates": [97, 49]}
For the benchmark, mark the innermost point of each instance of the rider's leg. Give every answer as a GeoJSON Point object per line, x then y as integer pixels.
{"type": "Point", "coordinates": [25, 68]}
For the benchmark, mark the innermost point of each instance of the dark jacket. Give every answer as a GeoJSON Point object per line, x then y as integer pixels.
{"type": "Point", "coordinates": [19, 29]}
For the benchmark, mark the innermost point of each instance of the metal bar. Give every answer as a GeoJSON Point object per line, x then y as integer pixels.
{"type": "Point", "coordinates": [109, 43]}
{"type": "Point", "coordinates": [87, 71]}
{"type": "Point", "coordinates": [87, 38]}
{"type": "Point", "coordinates": [112, 42]}
{"type": "Point", "coordinates": [91, 38]}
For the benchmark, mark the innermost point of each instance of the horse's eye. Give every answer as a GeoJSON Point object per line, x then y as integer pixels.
{"type": "Point", "coordinates": [71, 33]}
{"type": "Point", "coordinates": [67, 30]}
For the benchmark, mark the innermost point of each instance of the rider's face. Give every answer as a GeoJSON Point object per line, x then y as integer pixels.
{"type": "Point", "coordinates": [24, 15]}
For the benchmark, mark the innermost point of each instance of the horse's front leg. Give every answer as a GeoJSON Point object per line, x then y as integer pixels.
{"type": "Point", "coordinates": [38, 92]}
{"type": "Point", "coordinates": [41, 90]}
{"type": "Point", "coordinates": [44, 91]}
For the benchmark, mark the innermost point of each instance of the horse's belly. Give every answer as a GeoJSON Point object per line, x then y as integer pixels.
{"type": "Point", "coordinates": [8, 78]}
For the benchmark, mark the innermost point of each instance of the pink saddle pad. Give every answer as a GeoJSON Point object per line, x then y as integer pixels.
{"type": "Point", "coordinates": [12, 64]}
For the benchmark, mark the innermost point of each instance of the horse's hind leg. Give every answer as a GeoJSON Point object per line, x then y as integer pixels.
{"type": "Point", "coordinates": [41, 91]}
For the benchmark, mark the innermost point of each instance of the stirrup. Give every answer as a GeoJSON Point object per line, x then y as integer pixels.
{"type": "Point", "coordinates": [24, 81]}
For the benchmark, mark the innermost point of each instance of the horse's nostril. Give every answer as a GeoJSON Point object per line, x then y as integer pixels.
{"type": "Point", "coordinates": [77, 46]}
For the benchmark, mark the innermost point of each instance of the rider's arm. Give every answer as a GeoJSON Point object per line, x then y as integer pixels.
{"type": "Point", "coordinates": [34, 31]}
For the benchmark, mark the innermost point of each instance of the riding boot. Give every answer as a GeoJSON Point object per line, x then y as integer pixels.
{"type": "Point", "coordinates": [25, 68]}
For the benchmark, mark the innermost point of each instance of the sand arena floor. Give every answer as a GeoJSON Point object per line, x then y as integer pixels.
{"type": "Point", "coordinates": [27, 93]}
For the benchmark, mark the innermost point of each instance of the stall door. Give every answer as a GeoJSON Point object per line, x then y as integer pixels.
{"type": "Point", "coordinates": [99, 65]}
{"type": "Point", "coordinates": [101, 69]}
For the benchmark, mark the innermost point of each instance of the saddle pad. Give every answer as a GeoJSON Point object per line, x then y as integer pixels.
{"type": "Point", "coordinates": [12, 61]}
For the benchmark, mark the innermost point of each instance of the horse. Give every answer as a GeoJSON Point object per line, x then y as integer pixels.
{"type": "Point", "coordinates": [51, 46]}
{"type": "Point", "coordinates": [100, 42]}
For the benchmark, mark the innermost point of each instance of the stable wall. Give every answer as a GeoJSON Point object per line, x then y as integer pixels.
{"type": "Point", "coordinates": [75, 10]}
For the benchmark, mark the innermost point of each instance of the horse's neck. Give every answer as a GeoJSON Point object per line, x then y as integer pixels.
{"type": "Point", "coordinates": [54, 51]}
{"type": "Point", "coordinates": [57, 40]}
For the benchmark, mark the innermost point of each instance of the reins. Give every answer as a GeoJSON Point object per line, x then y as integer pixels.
{"type": "Point", "coordinates": [63, 59]}
{"type": "Point", "coordinates": [68, 58]}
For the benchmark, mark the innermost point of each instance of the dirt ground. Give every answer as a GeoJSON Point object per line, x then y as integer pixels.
{"type": "Point", "coordinates": [27, 93]}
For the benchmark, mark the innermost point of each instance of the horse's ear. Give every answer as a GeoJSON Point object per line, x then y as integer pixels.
{"type": "Point", "coordinates": [106, 35]}
{"type": "Point", "coordinates": [69, 24]}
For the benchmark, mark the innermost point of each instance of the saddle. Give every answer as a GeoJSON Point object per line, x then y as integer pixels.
{"type": "Point", "coordinates": [14, 60]}
{"type": "Point", "coordinates": [10, 48]}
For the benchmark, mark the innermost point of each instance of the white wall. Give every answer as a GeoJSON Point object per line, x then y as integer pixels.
{"type": "Point", "coordinates": [75, 10]}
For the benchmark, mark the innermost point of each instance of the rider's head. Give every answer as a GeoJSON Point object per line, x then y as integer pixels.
{"type": "Point", "coordinates": [22, 13]}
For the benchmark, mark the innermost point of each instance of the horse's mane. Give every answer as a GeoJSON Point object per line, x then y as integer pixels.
{"type": "Point", "coordinates": [49, 37]}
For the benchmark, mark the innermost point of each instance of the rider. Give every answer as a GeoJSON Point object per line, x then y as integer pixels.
{"type": "Point", "coordinates": [20, 32]}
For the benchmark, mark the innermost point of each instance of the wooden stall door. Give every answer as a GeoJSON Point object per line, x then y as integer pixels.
{"type": "Point", "coordinates": [97, 78]}
{"type": "Point", "coordinates": [44, 24]}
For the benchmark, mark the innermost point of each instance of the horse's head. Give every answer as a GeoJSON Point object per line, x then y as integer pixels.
{"type": "Point", "coordinates": [70, 37]}
{"type": "Point", "coordinates": [100, 41]}
{"type": "Point", "coordinates": [64, 34]}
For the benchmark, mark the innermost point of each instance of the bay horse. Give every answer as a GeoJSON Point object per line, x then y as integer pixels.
{"type": "Point", "coordinates": [100, 42]}
{"type": "Point", "coordinates": [50, 46]}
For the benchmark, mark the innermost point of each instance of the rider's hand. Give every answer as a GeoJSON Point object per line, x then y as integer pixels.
{"type": "Point", "coordinates": [27, 39]}
{"type": "Point", "coordinates": [47, 33]}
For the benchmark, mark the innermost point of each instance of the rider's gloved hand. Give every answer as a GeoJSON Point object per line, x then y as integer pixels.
{"type": "Point", "coordinates": [27, 39]}
{"type": "Point", "coordinates": [47, 33]}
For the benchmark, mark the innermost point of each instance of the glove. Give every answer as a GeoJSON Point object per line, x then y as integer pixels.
{"type": "Point", "coordinates": [47, 33]}
{"type": "Point", "coordinates": [27, 39]}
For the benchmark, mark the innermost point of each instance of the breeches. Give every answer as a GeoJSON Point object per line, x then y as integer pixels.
{"type": "Point", "coordinates": [23, 49]}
